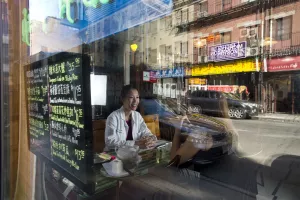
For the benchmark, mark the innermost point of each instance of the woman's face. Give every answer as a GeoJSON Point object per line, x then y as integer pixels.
{"type": "Point", "coordinates": [131, 101]}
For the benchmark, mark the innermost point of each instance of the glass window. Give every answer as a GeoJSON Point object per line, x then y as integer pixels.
{"type": "Point", "coordinates": [217, 38]}
{"type": "Point", "coordinates": [283, 28]}
{"type": "Point", "coordinates": [203, 7]}
{"type": "Point", "coordinates": [98, 92]}
{"type": "Point", "coordinates": [222, 5]}
{"type": "Point", "coordinates": [162, 23]}
{"type": "Point", "coordinates": [226, 37]}
{"type": "Point", "coordinates": [204, 94]}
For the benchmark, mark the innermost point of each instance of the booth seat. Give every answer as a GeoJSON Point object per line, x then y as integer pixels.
{"type": "Point", "coordinates": [152, 122]}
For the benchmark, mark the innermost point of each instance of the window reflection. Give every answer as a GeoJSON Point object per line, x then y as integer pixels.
{"type": "Point", "coordinates": [214, 90]}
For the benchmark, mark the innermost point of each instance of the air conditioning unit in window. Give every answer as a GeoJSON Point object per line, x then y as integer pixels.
{"type": "Point", "coordinates": [253, 32]}
{"type": "Point", "coordinates": [244, 33]}
{"type": "Point", "coordinates": [202, 14]}
{"type": "Point", "coordinates": [252, 51]}
{"type": "Point", "coordinates": [252, 42]}
{"type": "Point", "coordinates": [202, 59]}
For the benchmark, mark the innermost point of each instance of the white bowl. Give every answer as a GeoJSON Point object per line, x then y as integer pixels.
{"type": "Point", "coordinates": [127, 152]}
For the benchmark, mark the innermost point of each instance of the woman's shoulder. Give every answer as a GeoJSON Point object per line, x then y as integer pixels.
{"type": "Point", "coordinates": [137, 115]}
{"type": "Point", "coordinates": [114, 114]}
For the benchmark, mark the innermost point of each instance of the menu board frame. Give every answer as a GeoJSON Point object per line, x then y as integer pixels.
{"type": "Point", "coordinates": [86, 181]}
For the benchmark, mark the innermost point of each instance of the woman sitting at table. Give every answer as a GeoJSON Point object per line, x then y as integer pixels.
{"type": "Point", "coordinates": [126, 126]}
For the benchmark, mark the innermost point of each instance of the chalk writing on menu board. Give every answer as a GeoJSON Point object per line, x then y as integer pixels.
{"type": "Point", "coordinates": [38, 110]}
{"type": "Point", "coordinates": [67, 114]}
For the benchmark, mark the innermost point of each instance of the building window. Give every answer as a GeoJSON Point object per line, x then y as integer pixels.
{"type": "Point", "coordinates": [162, 23]}
{"type": "Point", "coordinates": [184, 48]}
{"type": "Point", "coordinates": [221, 38]}
{"type": "Point", "coordinates": [203, 7]}
{"type": "Point", "coordinates": [178, 17]}
{"type": "Point", "coordinates": [227, 4]}
{"type": "Point", "coordinates": [225, 37]}
{"type": "Point", "coordinates": [184, 14]}
{"type": "Point", "coordinates": [222, 5]}
{"type": "Point", "coordinates": [203, 51]}
{"type": "Point", "coordinates": [162, 52]}
{"type": "Point", "coordinates": [177, 48]}
{"type": "Point", "coordinates": [153, 56]}
{"type": "Point", "coordinates": [153, 27]}
{"type": "Point", "coordinates": [283, 28]}
{"type": "Point", "coordinates": [203, 10]}
{"type": "Point", "coordinates": [168, 22]}
{"type": "Point", "coordinates": [217, 38]}
{"type": "Point", "coordinates": [148, 55]}
{"type": "Point", "coordinates": [169, 53]}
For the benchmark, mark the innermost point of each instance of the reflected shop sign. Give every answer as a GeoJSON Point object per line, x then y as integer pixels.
{"type": "Point", "coordinates": [227, 51]}
{"type": "Point", "coordinates": [170, 73]}
{"type": "Point", "coordinates": [236, 66]}
{"type": "Point", "coordinates": [284, 64]}
{"type": "Point", "coordinates": [149, 76]}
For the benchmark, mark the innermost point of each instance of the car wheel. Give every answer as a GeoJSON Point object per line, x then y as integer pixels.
{"type": "Point", "coordinates": [240, 113]}
{"type": "Point", "coordinates": [231, 113]}
{"type": "Point", "coordinates": [195, 109]}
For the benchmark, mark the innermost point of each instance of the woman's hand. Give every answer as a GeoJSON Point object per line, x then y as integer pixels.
{"type": "Point", "coordinates": [150, 140]}
{"type": "Point", "coordinates": [141, 143]}
{"type": "Point", "coordinates": [146, 142]}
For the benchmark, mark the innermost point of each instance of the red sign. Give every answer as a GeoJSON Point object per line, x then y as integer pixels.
{"type": "Point", "coordinates": [149, 76]}
{"type": "Point", "coordinates": [284, 64]}
{"type": "Point", "coordinates": [223, 88]}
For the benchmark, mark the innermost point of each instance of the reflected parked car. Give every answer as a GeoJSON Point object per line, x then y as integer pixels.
{"type": "Point", "coordinates": [223, 139]}
{"type": "Point", "coordinates": [211, 102]}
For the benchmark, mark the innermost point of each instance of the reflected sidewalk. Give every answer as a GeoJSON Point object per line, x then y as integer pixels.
{"type": "Point", "coordinates": [280, 117]}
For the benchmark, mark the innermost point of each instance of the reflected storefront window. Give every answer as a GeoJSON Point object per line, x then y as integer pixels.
{"type": "Point", "coordinates": [150, 99]}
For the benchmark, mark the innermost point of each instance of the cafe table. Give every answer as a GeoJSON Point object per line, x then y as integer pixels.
{"type": "Point", "coordinates": [159, 156]}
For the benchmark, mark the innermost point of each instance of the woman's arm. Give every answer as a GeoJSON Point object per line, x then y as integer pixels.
{"type": "Point", "coordinates": [143, 129]}
{"type": "Point", "coordinates": [112, 137]}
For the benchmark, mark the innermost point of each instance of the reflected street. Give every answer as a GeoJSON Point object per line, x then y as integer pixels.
{"type": "Point", "coordinates": [267, 163]}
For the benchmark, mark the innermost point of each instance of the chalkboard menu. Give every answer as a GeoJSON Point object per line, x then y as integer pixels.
{"type": "Point", "coordinates": [38, 107]}
{"type": "Point", "coordinates": [59, 110]}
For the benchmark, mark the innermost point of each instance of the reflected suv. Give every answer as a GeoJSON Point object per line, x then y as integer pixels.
{"type": "Point", "coordinates": [211, 102]}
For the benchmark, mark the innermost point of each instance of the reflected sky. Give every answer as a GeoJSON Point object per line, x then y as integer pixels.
{"type": "Point", "coordinates": [41, 9]}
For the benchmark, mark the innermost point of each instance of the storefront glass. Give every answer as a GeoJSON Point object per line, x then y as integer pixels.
{"type": "Point", "coordinates": [150, 99]}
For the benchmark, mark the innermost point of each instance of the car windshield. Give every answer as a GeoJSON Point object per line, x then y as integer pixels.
{"type": "Point", "coordinates": [231, 96]}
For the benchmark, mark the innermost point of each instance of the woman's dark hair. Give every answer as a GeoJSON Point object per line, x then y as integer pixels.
{"type": "Point", "coordinates": [125, 90]}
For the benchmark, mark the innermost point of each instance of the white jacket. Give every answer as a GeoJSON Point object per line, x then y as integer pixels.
{"type": "Point", "coordinates": [116, 129]}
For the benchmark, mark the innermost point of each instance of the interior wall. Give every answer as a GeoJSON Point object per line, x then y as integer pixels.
{"type": "Point", "coordinates": [21, 160]}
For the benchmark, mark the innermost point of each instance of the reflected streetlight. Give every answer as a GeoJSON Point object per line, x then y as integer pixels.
{"type": "Point", "coordinates": [134, 47]}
